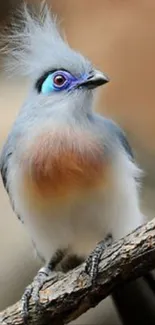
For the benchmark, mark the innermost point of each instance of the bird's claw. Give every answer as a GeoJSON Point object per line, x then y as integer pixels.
{"type": "Point", "coordinates": [25, 302]}
{"type": "Point", "coordinates": [32, 291]}
{"type": "Point", "coordinates": [93, 260]}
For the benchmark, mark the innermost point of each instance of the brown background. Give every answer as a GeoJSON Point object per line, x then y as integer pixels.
{"type": "Point", "coordinates": [119, 37]}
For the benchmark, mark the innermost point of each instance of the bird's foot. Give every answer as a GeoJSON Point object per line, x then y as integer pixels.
{"type": "Point", "coordinates": [32, 291]}
{"type": "Point", "coordinates": [93, 260]}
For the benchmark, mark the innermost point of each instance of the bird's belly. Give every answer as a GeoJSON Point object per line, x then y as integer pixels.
{"type": "Point", "coordinates": [68, 195]}
{"type": "Point", "coordinates": [61, 193]}
{"type": "Point", "coordinates": [75, 224]}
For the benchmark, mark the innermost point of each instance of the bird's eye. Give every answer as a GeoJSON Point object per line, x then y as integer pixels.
{"type": "Point", "coordinates": [59, 80]}
{"type": "Point", "coordinates": [55, 81]}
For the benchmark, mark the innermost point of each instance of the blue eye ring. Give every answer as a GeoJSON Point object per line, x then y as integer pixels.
{"type": "Point", "coordinates": [61, 79]}
{"type": "Point", "coordinates": [51, 83]}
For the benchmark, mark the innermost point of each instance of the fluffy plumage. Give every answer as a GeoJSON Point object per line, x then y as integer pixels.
{"type": "Point", "coordinates": [69, 172]}
{"type": "Point", "coordinates": [77, 164]}
{"type": "Point", "coordinates": [35, 41]}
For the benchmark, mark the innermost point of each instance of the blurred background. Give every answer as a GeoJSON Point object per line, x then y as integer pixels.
{"type": "Point", "coordinates": [119, 38]}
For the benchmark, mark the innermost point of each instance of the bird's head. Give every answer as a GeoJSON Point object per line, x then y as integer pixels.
{"type": "Point", "coordinates": [56, 70]}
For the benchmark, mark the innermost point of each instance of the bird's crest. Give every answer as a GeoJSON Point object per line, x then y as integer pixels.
{"type": "Point", "coordinates": [34, 41]}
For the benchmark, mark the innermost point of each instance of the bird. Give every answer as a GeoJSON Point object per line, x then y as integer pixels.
{"type": "Point", "coordinates": [69, 172]}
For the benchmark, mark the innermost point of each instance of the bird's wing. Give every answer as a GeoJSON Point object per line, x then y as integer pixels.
{"type": "Point", "coordinates": [115, 133]}
{"type": "Point", "coordinates": [5, 162]}
{"type": "Point", "coordinates": [118, 132]}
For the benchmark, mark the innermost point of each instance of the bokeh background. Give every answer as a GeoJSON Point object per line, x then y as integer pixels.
{"type": "Point", "coordinates": [119, 37]}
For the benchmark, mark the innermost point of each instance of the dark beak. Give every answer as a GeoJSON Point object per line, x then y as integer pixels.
{"type": "Point", "coordinates": [94, 80]}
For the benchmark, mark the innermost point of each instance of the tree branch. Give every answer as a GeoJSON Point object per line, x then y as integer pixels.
{"type": "Point", "coordinates": [72, 294]}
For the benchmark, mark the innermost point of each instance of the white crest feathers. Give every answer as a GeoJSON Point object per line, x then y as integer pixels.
{"type": "Point", "coordinates": [33, 42]}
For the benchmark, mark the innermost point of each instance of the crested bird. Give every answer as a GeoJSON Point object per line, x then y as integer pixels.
{"type": "Point", "coordinates": [69, 172]}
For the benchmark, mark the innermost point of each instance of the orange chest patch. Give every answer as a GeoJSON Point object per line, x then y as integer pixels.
{"type": "Point", "coordinates": [58, 164]}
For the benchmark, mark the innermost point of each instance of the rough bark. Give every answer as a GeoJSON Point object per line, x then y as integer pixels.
{"type": "Point", "coordinates": [70, 295]}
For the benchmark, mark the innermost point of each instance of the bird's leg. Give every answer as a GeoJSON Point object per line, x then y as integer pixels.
{"type": "Point", "coordinates": [32, 290]}
{"type": "Point", "coordinates": [93, 260]}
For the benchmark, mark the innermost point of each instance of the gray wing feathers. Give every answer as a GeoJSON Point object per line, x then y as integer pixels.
{"type": "Point", "coordinates": [5, 157]}
{"type": "Point", "coordinates": [121, 136]}
{"type": "Point", "coordinates": [115, 133]}
{"type": "Point", "coordinates": [4, 160]}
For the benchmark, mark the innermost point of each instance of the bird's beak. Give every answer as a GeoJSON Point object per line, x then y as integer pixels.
{"type": "Point", "coordinates": [96, 79]}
